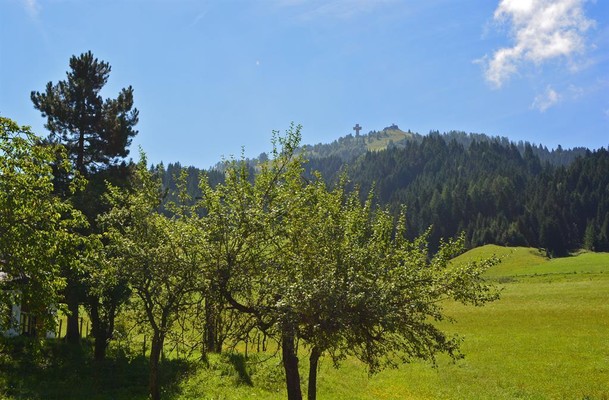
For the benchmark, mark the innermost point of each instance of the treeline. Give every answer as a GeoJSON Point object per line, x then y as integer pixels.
{"type": "Point", "coordinates": [494, 190]}
{"type": "Point", "coordinates": [349, 147]}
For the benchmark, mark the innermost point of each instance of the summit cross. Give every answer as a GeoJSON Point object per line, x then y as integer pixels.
{"type": "Point", "coordinates": [357, 128]}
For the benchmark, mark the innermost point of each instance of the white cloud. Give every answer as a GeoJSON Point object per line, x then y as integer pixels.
{"type": "Point", "coordinates": [546, 100]}
{"type": "Point", "coordinates": [541, 30]}
{"type": "Point", "coordinates": [32, 7]}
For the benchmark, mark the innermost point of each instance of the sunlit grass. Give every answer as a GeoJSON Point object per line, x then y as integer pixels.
{"type": "Point", "coordinates": [517, 261]}
{"type": "Point", "coordinates": [389, 135]}
{"type": "Point", "coordinates": [546, 338]}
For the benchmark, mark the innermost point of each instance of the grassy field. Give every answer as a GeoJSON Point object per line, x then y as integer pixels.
{"type": "Point", "coordinates": [546, 338]}
{"type": "Point", "coordinates": [392, 135]}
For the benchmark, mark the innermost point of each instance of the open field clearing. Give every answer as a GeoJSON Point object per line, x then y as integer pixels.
{"type": "Point", "coordinates": [546, 338]}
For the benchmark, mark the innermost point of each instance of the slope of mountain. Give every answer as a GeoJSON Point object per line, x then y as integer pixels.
{"type": "Point", "coordinates": [491, 189]}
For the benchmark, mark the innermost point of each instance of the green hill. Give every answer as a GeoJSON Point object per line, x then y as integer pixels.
{"type": "Point", "coordinates": [387, 137]}
{"type": "Point", "coordinates": [349, 148]}
{"type": "Point", "coordinates": [525, 261]}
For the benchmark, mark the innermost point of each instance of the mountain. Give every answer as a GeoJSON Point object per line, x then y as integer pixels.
{"type": "Point", "coordinates": [493, 190]}
{"type": "Point", "coordinates": [350, 147]}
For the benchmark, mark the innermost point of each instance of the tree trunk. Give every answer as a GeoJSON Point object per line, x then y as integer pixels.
{"type": "Point", "coordinates": [101, 328]}
{"type": "Point", "coordinates": [72, 331]}
{"type": "Point", "coordinates": [101, 345]}
{"type": "Point", "coordinates": [100, 332]}
{"type": "Point", "coordinates": [290, 365]}
{"type": "Point", "coordinates": [80, 152]}
{"type": "Point", "coordinates": [313, 364]}
{"type": "Point", "coordinates": [155, 358]}
{"type": "Point", "coordinates": [97, 330]}
{"type": "Point", "coordinates": [211, 324]}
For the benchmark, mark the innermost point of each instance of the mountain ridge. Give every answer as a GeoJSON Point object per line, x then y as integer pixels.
{"type": "Point", "coordinates": [491, 189]}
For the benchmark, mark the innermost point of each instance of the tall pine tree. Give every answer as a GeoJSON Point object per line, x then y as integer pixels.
{"type": "Point", "coordinates": [96, 133]}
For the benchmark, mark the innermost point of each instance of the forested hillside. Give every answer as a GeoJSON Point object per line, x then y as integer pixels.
{"type": "Point", "coordinates": [493, 193]}
{"type": "Point", "coordinates": [494, 190]}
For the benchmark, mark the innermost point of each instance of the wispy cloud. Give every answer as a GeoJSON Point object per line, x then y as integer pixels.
{"type": "Point", "coordinates": [541, 30]}
{"type": "Point", "coordinates": [546, 100]}
{"type": "Point", "coordinates": [333, 8]}
{"type": "Point", "coordinates": [198, 18]}
{"type": "Point", "coordinates": [566, 94]}
{"type": "Point", "coordinates": [32, 7]}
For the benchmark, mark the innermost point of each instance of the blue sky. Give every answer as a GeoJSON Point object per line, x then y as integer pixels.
{"type": "Point", "coordinates": [212, 76]}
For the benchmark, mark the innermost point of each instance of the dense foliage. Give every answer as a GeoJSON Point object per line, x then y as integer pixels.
{"type": "Point", "coordinates": [96, 134]}
{"type": "Point", "coordinates": [37, 235]}
{"type": "Point", "coordinates": [493, 192]}
{"type": "Point", "coordinates": [492, 189]}
{"type": "Point", "coordinates": [161, 259]}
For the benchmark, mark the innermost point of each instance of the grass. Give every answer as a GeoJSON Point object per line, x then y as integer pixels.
{"type": "Point", "coordinates": [524, 261]}
{"type": "Point", "coordinates": [546, 338]}
{"type": "Point", "coordinates": [84, 324]}
{"type": "Point", "coordinates": [394, 135]}
{"type": "Point", "coordinates": [542, 340]}
{"type": "Point", "coordinates": [59, 371]}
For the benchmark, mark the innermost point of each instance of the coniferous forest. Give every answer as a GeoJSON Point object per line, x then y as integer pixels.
{"type": "Point", "coordinates": [493, 190]}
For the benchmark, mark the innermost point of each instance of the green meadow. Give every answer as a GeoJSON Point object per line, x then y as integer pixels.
{"type": "Point", "coordinates": [389, 136]}
{"type": "Point", "coordinates": [546, 338]}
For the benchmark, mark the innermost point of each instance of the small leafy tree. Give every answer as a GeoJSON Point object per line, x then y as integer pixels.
{"type": "Point", "coordinates": [244, 218]}
{"type": "Point", "coordinates": [161, 257]}
{"type": "Point", "coordinates": [36, 227]}
{"type": "Point", "coordinates": [360, 288]}
{"type": "Point", "coordinates": [108, 292]}
{"type": "Point", "coordinates": [320, 267]}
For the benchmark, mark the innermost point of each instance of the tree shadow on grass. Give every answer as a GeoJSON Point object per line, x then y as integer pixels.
{"type": "Point", "coordinates": [238, 362]}
{"type": "Point", "coordinates": [61, 371]}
